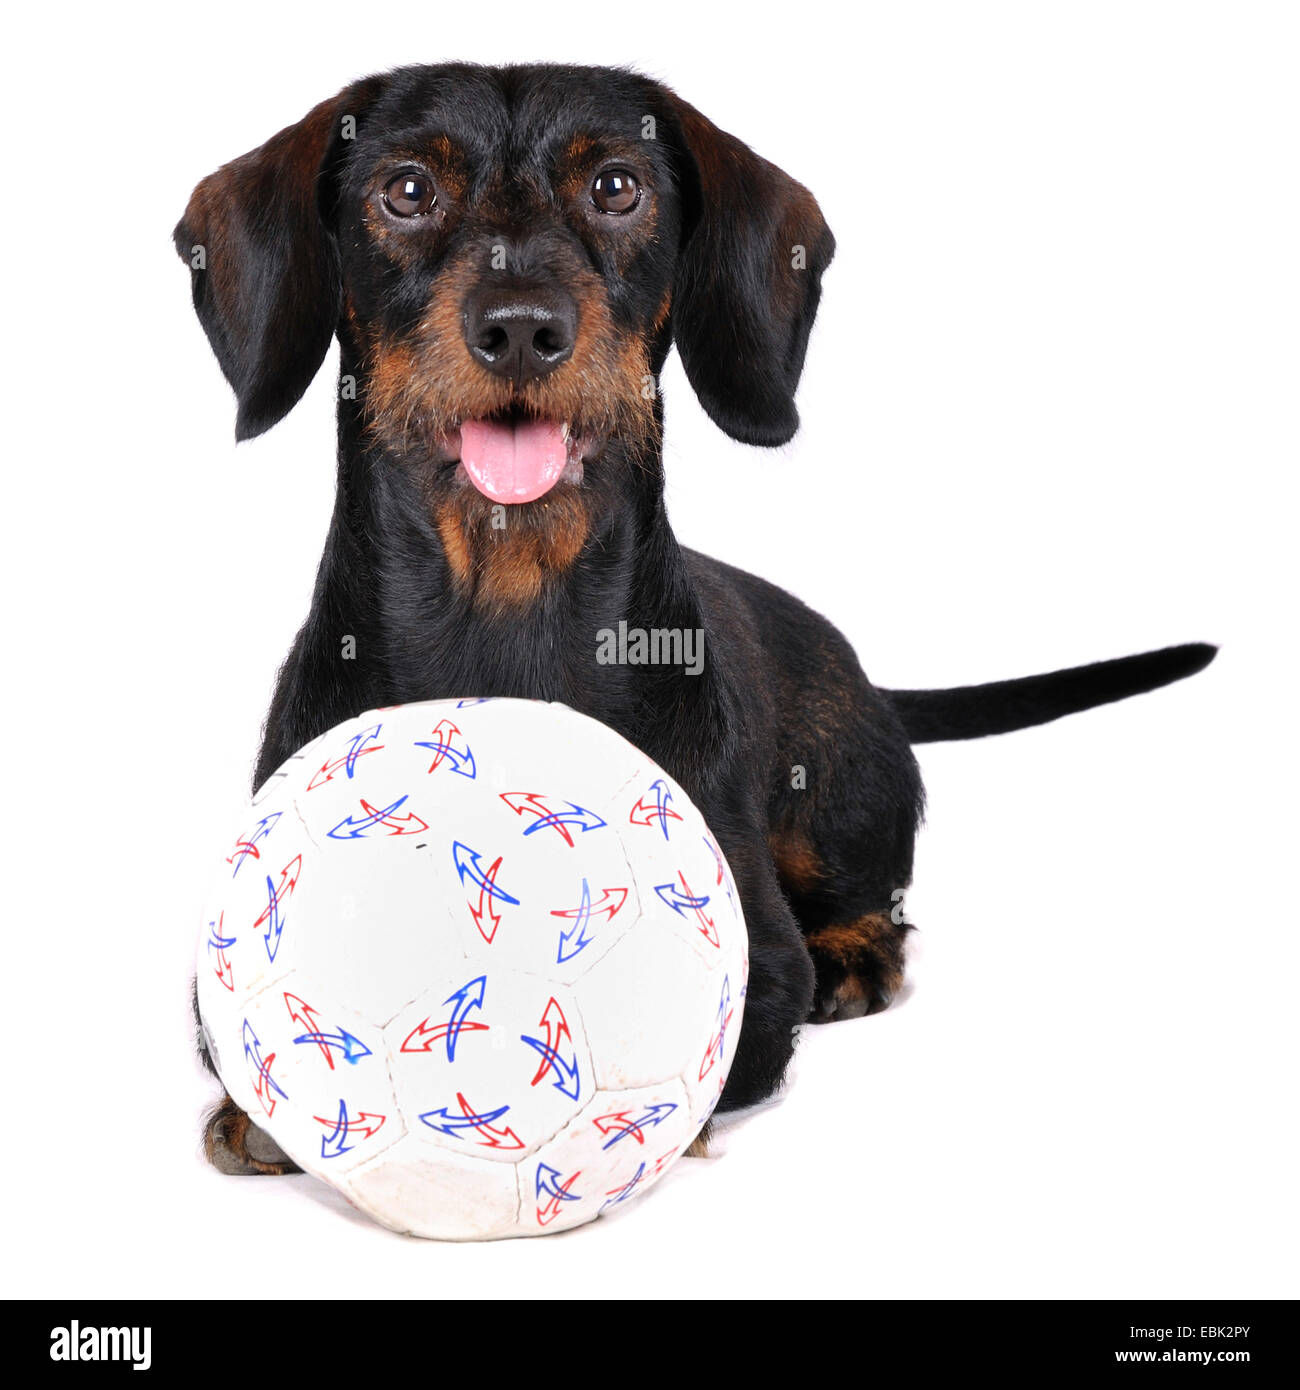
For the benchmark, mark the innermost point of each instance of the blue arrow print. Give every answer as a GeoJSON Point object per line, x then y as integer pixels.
{"type": "Point", "coordinates": [548, 1184]}
{"type": "Point", "coordinates": [468, 864]}
{"type": "Point", "coordinates": [468, 996]}
{"type": "Point", "coordinates": [654, 1115]}
{"type": "Point", "coordinates": [274, 922]}
{"type": "Point", "coordinates": [353, 1049]}
{"type": "Point", "coordinates": [576, 938]}
{"type": "Point", "coordinates": [570, 1081]}
{"type": "Point", "coordinates": [621, 1194]}
{"type": "Point", "coordinates": [673, 897]}
{"type": "Point", "coordinates": [452, 1123]}
{"type": "Point", "coordinates": [462, 764]}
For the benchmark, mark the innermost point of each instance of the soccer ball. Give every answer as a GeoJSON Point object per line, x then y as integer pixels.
{"type": "Point", "coordinates": [478, 964]}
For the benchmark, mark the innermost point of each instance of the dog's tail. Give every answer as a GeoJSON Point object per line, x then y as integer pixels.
{"type": "Point", "coordinates": [975, 711]}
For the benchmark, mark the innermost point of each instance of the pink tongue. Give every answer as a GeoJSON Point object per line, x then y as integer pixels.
{"type": "Point", "coordinates": [512, 463]}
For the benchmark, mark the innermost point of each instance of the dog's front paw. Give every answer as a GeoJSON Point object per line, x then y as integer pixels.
{"type": "Point", "coordinates": [234, 1144]}
{"type": "Point", "coordinates": [859, 967]}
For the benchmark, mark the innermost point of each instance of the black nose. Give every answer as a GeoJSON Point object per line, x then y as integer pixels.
{"type": "Point", "coordinates": [522, 333]}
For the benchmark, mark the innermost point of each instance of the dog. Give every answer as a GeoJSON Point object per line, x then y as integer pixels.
{"type": "Point", "coordinates": [505, 256]}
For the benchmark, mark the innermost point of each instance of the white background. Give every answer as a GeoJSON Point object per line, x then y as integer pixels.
{"type": "Point", "coordinates": [1050, 416]}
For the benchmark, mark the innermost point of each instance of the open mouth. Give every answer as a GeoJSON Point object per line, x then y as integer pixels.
{"type": "Point", "coordinates": [512, 456]}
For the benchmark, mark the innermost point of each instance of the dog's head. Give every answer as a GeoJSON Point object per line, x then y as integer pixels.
{"type": "Point", "coordinates": [506, 255]}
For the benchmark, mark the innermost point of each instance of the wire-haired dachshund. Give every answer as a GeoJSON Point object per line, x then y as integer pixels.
{"type": "Point", "coordinates": [505, 256]}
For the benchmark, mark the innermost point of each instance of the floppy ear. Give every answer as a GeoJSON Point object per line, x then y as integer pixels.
{"type": "Point", "coordinates": [264, 264]}
{"type": "Point", "coordinates": [748, 281]}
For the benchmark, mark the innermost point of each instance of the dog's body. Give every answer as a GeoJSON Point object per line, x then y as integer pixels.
{"type": "Point", "coordinates": [506, 256]}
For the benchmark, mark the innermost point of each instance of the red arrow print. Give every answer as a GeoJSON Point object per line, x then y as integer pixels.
{"type": "Point", "coordinates": [496, 1138]}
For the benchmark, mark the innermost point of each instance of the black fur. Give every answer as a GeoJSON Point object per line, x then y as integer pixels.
{"type": "Point", "coordinates": [1001, 707]}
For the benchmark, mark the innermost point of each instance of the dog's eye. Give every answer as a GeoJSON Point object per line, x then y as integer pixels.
{"type": "Point", "coordinates": [410, 195]}
{"type": "Point", "coordinates": [615, 191]}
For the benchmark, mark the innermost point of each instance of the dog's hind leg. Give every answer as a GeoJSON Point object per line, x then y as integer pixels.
{"type": "Point", "coordinates": [846, 892]}
{"type": "Point", "coordinates": [842, 840]}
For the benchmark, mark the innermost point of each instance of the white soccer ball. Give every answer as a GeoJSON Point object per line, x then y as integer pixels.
{"type": "Point", "coordinates": [478, 964]}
